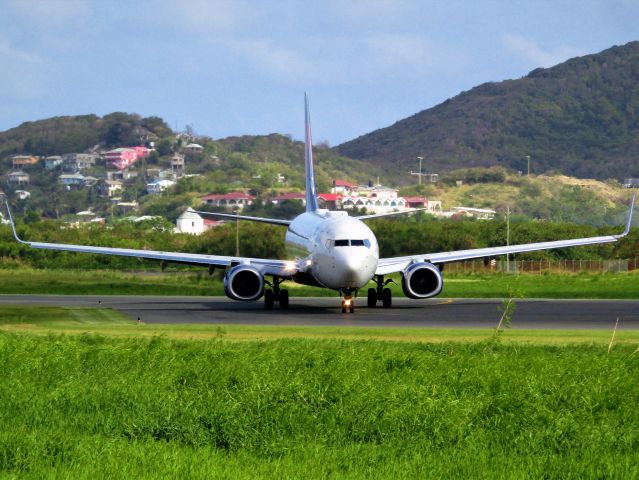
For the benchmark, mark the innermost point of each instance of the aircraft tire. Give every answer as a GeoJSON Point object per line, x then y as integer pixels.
{"type": "Point", "coordinates": [387, 298]}
{"type": "Point", "coordinates": [283, 299]}
{"type": "Point", "coordinates": [269, 299]}
{"type": "Point", "coordinates": [372, 298]}
{"type": "Point", "coordinates": [351, 309]}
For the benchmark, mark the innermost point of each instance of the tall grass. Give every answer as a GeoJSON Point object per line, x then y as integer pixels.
{"type": "Point", "coordinates": [89, 406]}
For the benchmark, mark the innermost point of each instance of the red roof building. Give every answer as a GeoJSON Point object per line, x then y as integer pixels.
{"type": "Point", "coordinates": [289, 196]}
{"type": "Point", "coordinates": [237, 200]}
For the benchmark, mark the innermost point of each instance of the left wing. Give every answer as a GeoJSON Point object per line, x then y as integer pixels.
{"type": "Point", "coordinates": [280, 268]}
{"type": "Point", "coordinates": [397, 264]}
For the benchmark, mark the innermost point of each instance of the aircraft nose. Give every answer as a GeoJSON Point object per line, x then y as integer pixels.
{"type": "Point", "coordinates": [355, 270]}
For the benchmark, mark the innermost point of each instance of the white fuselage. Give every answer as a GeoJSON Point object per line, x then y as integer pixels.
{"type": "Point", "coordinates": [338, 251]}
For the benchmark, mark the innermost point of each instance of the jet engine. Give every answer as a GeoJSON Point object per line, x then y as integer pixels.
{"type": "Point", "coordinates": [244, 282]}
{"type": "Point", "coordinates": [422, 280]}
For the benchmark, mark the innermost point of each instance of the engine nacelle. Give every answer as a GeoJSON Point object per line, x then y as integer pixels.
{"type": "Point", "coordinates": [244, 282]}
{"type": "Point", "coordinates": [422, 280]}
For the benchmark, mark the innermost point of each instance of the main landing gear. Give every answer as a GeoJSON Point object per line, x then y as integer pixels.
{"type": "Point", "coordinates": [381, 293]}
{"type": "Point", "coordinates": [348, 302]}
{"type": "Point", "coordinates": [276, 295]}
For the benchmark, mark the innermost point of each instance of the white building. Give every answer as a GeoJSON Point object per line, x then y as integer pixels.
{"type": "Point", "coordinates": [159, 186]}
{"type": "Point", "coordinates": [192, 223]}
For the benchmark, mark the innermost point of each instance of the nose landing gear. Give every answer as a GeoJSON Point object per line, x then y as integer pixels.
{"type": "Point", "coordinates": [381, 293]}
{"type": "Point", "coordinates": [276, 295]}
{"type": "Point", "coordinates": [348, 302]}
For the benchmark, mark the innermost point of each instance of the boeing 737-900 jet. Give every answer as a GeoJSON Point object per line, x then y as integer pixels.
{"type": "Point", "coordinates": [328, 249]}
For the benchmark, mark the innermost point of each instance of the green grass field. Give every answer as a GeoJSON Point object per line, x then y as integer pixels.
{"type": "Point", "coordinates": [95, 406]}
{"type": "Point", "coordinates": [29, 281]}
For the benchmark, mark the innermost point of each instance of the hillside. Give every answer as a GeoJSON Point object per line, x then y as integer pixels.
{"type": "Point", "coordinates": [580, 118]}
{"type": "Point", "coordinates": [258, 164]}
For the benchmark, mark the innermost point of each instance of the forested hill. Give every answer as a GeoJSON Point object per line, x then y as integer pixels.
{"type": "Point", "coordinates": [80, 133]}
{"type": "Point", "coordinates": [580, 118]}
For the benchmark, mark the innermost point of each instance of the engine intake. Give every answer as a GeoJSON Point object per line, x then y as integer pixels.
{"type": "Point", "coordinates": [244, 282]}
{"type": "Point", "coordinates": [422, 280]}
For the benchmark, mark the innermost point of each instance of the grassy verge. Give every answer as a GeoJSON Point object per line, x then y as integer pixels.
{"type": "Point", "coordinates": [104, 321]}
{"type": "Point", "coordinates": [87, 406]}
{"type": "Point", "coordinates": [28, 281]}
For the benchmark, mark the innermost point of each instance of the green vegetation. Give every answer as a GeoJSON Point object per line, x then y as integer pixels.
{"type": "Point", "coordinates": [579, 118]}
{"type": "Point", "coordinates": [92, 407]}
{"type": "Point", "coordinates": [106, 282]}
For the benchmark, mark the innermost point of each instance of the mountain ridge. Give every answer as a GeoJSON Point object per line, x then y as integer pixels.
{"type": "Point", "coordinates": [580, 118]}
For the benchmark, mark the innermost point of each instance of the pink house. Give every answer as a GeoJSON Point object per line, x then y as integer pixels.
{"type": "Point", "coordinates": [124, 157]}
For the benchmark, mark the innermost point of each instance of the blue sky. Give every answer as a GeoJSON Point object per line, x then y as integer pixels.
{"type": "Point", "coordinates": [241, 67]}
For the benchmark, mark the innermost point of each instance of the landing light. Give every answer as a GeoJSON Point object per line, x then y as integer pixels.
{"type": "Point", "coordinates": [289, 266]}
{"type": "Point", "coordinates": [309, 263]}
{"type": "Point", "coordinates": [347, 302]}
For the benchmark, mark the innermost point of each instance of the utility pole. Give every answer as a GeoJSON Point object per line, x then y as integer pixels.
{"type": "Point", "coordinates": [527, 157]}
{"type": "Point", "coordinates": [419, 174]}
{"type": "Point", "coordinates": [507, 237]}
{"type": "Point", "coordinates": [237, 237]}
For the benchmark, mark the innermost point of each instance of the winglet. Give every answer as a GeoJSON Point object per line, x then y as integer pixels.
{"type": "Point", "coordinates": [629, 221]}
{"type": "Point", "coordinates": [311, 194]}
{"type": "Point", "coordinates": [13, 226]}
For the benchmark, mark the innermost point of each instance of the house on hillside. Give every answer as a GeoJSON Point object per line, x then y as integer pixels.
{"type": "Point", "coordinates": [343, 187]}
{"type": "Point", "coordinates": [110, 188]}
{"type": "Point", "coordinates": [52, 162]}
{"type": "Point", "coordinates": [288, 197]}
{"type": "Point", "coordinates": [71, 180]}
{"type": "Point", "coordinates": [177, 165]}
{"type": "Point", "coordinates": [18, 178]}
{"type": "Point", "coordinates": [123, 157]}
{"type": "Point", "coordinates": [75, 162]}
{"type": "Point", "coordinates": [232, 200]}
{"type": "Point", "coordinates": [21, 161]}
{"type": "Point", "coordinates": [159, 186]}
{"type": "Point", "coordinates": [194, 148]}
{"type": "Point", "coordinates": [331, 201]}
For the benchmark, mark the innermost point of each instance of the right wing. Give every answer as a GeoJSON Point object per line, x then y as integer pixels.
{"type": "Point", "coordinates": [280, 268]}
{"type": "Point", "coordinates": [397, 264]}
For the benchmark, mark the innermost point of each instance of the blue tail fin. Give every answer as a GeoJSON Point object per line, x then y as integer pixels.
{"type": "Point", "coordinates": [311, 194]}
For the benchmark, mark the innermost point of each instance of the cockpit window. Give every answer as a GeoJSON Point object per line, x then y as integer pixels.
{"type": "Point", "coordinates": [353, 243]}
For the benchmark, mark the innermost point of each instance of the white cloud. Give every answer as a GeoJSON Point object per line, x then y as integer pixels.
{"type": "Point", "coordinates": [22, 72]}
{"type": "Point", "coordinates": [400, 50]}
{"type": "Point", "coordinates": [530, 52]}
{"type": "Point", "coordinates": [210, 16]}
{"type": "Point", "coordinates": [50, 12]}
{"type": "Point", "coordinates": [283, 63]}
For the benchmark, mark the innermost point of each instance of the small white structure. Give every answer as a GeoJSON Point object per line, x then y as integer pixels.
{"type": "Point", "coordinates": [192, 223]}
{"type": "Point", "coordinates": [194, 148]}
{"type": "Point", "coordinates": [110, 188]}
{"type": "Point", "coordinates": [481, 213]}
{"type": "Point", "coordinates": [159, 186]}
{"type": "Point", "coordinates": [23, 194]}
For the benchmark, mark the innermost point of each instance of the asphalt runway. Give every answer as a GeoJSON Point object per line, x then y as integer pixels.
{"type": "Point", "coordinates": [430, 313]}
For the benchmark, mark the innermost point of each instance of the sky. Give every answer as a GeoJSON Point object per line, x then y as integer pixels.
{"type": "Point", "coordinates": [241, 67]}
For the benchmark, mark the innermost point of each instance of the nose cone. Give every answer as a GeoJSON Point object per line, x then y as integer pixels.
{"type": "Point", "coordinates": [355, 268]}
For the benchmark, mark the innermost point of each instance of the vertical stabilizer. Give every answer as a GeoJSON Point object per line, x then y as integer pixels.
{"type": "Point", "coordinates": [311, 194]}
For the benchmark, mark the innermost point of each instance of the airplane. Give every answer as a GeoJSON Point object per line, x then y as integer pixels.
{"type": "Point", "coordinates": [327, 249]}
